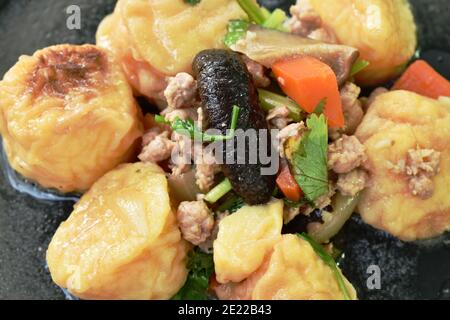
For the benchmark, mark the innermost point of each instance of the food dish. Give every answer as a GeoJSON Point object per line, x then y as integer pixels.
{"type": "Point", "coordinates": [330, 110]}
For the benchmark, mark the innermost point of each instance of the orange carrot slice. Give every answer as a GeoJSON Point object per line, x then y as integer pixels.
{"type": "Point", "coordinates": [287, 184]}
{"type": "Point", "coordinates": [421, 78]}
{"type": "Point", "coordinates": [308, 81]}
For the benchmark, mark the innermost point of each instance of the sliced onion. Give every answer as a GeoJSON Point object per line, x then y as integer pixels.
{"type": "Point", "coordinates": [343, 207]}
{"type": "Point", "coordinates": [183, 187]}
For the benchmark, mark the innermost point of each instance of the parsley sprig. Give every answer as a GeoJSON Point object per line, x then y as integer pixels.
{"type": "Point", "coordinates": [189, 128]}
{"type": "Point", "coordinates": [329, 261]}
{"type": "Point", "coordinates": [309, 159]}
{"type": "Point", "coordinates": [201, 267]}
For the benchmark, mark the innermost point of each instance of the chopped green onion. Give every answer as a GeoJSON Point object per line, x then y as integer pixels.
{"type": "Point", "coordinates": [270, 100]}
{"type": "Point", "coordinates": [188, 127]}
{"type": "Point", "coordinates": [192, 2]}
{"type": "Point", "coordinates": [253, 10]}
{"type": "Point", "coordinates": [275, 20]}
{"type": "Point", "coordinates": [238, 25]}
{"type": "Point", "coordinates": [236, 30]}
{"type": "Point", "coordinates": [329, 261]}
{"type": "Point", "coordinates": [359, 66]}
{"type": "Point", "coordinates": [219, 191]}
{"type": "Point", "coordinates": [265, 12]}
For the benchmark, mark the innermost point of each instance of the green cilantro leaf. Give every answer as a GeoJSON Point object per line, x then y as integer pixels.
{"type": "Point", "coordinates": [321, 106]}
{"type": "Point", "coordinates": [329, 261]}
{"type": "Point", "coordinates": [309, 160]}
{"type": "Point", "coordinates": [201, 267]}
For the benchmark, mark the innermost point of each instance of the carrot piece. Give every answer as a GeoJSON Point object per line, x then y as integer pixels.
{"type": "Point", "coordinates": [287, 184]}
{"type": "Point", "coordinates": [308, 81]}
{"type": "Point", "coordinates": [421, 78]}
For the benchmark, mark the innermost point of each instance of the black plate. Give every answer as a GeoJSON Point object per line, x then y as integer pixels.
{"type": "Point", "coordinates": [408, 271]}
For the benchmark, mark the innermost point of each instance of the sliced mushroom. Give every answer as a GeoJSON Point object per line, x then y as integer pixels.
{"type": "Point", "coordinates": [269, 46]}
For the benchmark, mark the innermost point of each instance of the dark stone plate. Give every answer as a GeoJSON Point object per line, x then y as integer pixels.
{"type": "Point", "coordinates": [408, 270]}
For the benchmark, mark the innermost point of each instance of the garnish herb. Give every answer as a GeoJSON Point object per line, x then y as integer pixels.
{"type": "Point", "coordinates": [201, 267]}
{"type": "Point", "coordinates": [192, 2]}
{"type": "Point", "coordinates": [320, 106]}
{"type": "Point", "coordinates": [270, 100]}
{"type": "Point", "coordinates": [309, 159]}
{"type": "Point", "coordinates": [329, 261]}
{"type": "Point", "coordinates": [256, 14]}
{"type": "Point", "coordinates": [189, 128]}
{"type": "Point", "coordinates": [218, 191]}
{"type": "Point", "coordinates": [236, 31]}
{"type": "Point", "coordinates": [276, 20]}
{"type": "Point", "coordinates": [253, 10]}
{"type": "Point", "coordinates": [359, 66]}
{"type": "Point", "coordinates": [232, 204]}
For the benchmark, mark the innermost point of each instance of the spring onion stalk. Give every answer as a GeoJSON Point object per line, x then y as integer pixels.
{"type": "Point", "coordinates": [265, 12]}
{"type": "Point", "coordinates": [270, 100]}
{"type": "Point", "coordinates": [343, 207]}
{"type": "Point", "coordinates": [275, 20]}
{"type": "Point", "coordinates": [219, 191]}
{"type": "Point", "coordinates": [329, 261]}
{"type": "Point", "coordinates": [253, 10]}
{"type": "Point", "coordinates": [359, 66]}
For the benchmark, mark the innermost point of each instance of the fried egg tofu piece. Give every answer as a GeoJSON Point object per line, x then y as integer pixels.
{"type": "Point", "coordinates": [396, 122]}
{"type": "Point", "coordinates": [383, 31]}
{"type": "Point", "coordinates": [244, 240]}
{"type": "Point", "coordinates": [158, 38]}
{"type": "Point", "coordinates": [121, 241]}
{"type": "Point", "coordinates": [67, 116]}
{"type": "Point", "coordinates": [293, 271]}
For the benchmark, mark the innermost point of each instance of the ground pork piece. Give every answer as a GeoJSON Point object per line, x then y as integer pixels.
{"type": "Point", "coordinates": [421, 186]}
{"type": "Point", "coordinates": [206, 168]}
{"type": "Point", "coordinates": [304, 19]}
{"type": "Point", "coordinates": [420, 166]}
{"type": "Point", "coordinates": [195, 221]}
{"type": "Point", "coordinates": [257, 71]}
{"type": "Point", "coordinates": [207, 246]}
{"type": "Point", "coordinates": [158, 148]}
{"type": "Point", "coordinates": [181, 159]}
{"type": "Point", "coordinates": [375, 93]}
{"type": "Point", "coordinates": [308, 23]}
{"type": "Point", "coordinates": [279, 117]}
{"type": "Point", "coordinates": [181, 91]}
{"type": "Point", "coordinates": [353, 112]}
{"type": "Point", "coordinates": [346, 154]}
{"type": "Point", "coordinates": [292, 130]}
{"type": "Point", "coordinates": [150, 135]}
{"type": "Point", "coordinates": [349, 184]}
{"type": "Point", "coordinates": [422, 161]}
{"type": "Point", "coordinates": [323, 34]}
{"type": "Point", "coordinates": [352, 108]}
